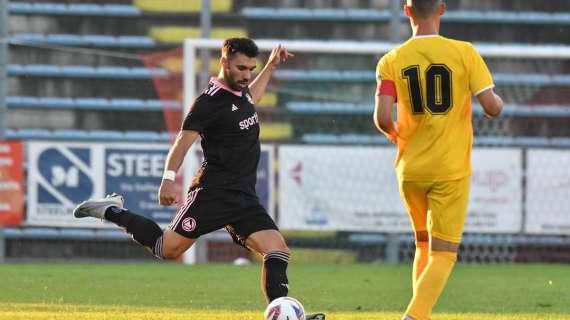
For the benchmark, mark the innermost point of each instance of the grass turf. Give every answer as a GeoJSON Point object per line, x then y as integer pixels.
{"type": "Point", "coordinates": [172, 291]}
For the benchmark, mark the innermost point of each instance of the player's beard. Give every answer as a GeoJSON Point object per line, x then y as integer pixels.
{"type": "Point", "coordinates": [232, 82]}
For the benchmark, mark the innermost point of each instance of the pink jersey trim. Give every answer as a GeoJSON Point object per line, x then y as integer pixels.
{"type": "Point", "coordinates": [217, 83]}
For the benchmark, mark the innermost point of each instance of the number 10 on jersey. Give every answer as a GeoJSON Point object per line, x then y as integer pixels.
{"type": "Point", "coordinates": [438, 86]}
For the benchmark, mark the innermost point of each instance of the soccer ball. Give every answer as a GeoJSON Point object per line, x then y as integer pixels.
{"type": "Point", "coordinates": [284, 308]}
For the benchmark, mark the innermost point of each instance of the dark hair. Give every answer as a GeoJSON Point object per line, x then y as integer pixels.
{"type": "Point", "coordinates": [239, 45]}
{"type": "Point", "coordinates": [424, 8]}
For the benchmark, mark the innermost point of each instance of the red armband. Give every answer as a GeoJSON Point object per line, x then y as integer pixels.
{"type": "Point", "coordinates": [387, 88]}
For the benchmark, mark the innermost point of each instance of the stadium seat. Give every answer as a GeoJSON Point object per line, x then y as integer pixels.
{"type": "Point", "coordinates": [95, 135]}
{"type": "Point", "coordinates": [85, 9]}
{"type": "Point", "coordinates": [324, 138]}
{"type": "Point", "coordinates": [497, 141]}
{"type": "Point", "coordinates": [19, 101]}
{"type": "Point", "coordinates": [65, 39]}
{"type": "Point", "coordinates": [269, 99]}
{"type": "Point", "coordinates": [324, 75]}
{"type": "Point", "coordinates": [348, 15]}
{"type": "Point", "coordinates": [369, 76]}
{"type": "Point", "coordinates": [178, 34]}
{"type": "Point", "coordinates": [63, 233]}
{"type": "Point", "coordinates": [143, 136]}
{"type": "Point", "coordinates": [275, 131]}
{"type": "Point", "coordinates": [27, 37]}
{"type": "Point", "coordinates": [302, 14]}
{"type": "Point", "coordinates": [532, 79]}
{"type": "Point", "coordinates": [84, 40]}
{"type": "Point", "coordinates": [135, 41]}
{"type": "Point", "coordinates": [100, 40]}
{"type": "Point", "coordinates": [90, 103]}
{"type": "Point", "coordinates": [365, 109]}
{"type": "Point", "coordinates": [103, 135]}
{"type": "Point", "coordinates": [330, 107]}
{"type": "Point", "coordinates": [75, 71]}
{"type": "Point", "coordinates": [181, 6]}
{"type": "Point", "coordinates": [70, 134]}
{"type": "Point", "coordinates": [31, 134]}
{"type": "Point", "coordinates": [56, 102]}
{"type": "Point", "coordinates": [85, 71]}
{"type": "Point", "coordinates": [46, 70]}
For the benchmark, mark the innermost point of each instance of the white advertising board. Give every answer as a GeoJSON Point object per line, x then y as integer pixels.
{"type": "Point", "coordinates": [548, 192]}
{"type": "Point", "coordinates": [356, 189]}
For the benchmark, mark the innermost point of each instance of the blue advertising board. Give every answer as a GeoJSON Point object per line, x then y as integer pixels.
{"type": "Point", "coordinates": [136, 173]}
{"type": "Point", "coordinates": [61, 175]}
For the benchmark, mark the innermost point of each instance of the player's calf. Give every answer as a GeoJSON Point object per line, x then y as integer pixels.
{"type": "Point", "coordinates": [275, 268]}
{"type": "Point", "coordinates": [174, 244]}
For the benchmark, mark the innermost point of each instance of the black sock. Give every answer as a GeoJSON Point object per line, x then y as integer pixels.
{"type": "Point", "coordinates": [275, 270]}
{"type": "Point", "coordinates": [143, 230]}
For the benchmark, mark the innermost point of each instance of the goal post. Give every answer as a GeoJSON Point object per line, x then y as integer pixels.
{"type": "Point", "coordinates": [544, 60]}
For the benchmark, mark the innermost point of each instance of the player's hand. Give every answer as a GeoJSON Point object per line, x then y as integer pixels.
{"type": "Point", "coordinates": [278, 55]}
{"type": "Point", "coordinates": [393, 136]}
{"type": "Point", "coordinates": [167, 193]}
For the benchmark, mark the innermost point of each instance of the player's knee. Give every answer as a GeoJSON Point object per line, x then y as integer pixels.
{"type": "Point", "coordinates": [171, 253]}
{"type": "Point", "coordinates": [276, 246]}
{"type": "Point", "coordinates": [422, 236]}
{"type": "Point", "coordinates": [437, 244]}
{"type": "Point", "coordinates": [284, 248]}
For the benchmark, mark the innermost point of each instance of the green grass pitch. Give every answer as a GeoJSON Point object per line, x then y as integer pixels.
{"type": "Point", "coordinates": [344, 291]}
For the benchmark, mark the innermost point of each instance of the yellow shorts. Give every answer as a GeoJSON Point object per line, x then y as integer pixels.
{"type": "Point", "coordinates": [439, 207]}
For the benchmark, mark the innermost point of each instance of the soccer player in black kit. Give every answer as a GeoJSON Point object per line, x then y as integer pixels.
{"type": "Point", "coordinates": [222, 194]}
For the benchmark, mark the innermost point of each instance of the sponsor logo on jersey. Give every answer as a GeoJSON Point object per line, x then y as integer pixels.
{"type": "Point", "coordinates": [246, 123]}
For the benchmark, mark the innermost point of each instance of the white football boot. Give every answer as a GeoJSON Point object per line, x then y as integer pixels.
{"type": "Point", "coordinates": [96, 207]}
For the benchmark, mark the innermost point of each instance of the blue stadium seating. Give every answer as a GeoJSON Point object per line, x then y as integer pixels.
{"type": "Point", "coordinates": [64, 233]}
{"type": "Point", "coordinates": [78, 71]}
{"type": "Point", "coordinates": [368, 109]}
{"type": "Point", "coordinates": [330, 108]}
{"type": "Point", "coordinates": [369, 76]}
{"type": "Point", "coordinates": [83, 40]}
{"type": "Point", "coordinates": [85, 9]}
{"type": "Point", "coordinates": [361, 15]}
{"type": "Point", "coordinates": [82, 135]}
{"type": "Point", "coordinates": [379, 139]}
{"type": "Point", "coordinates": [89, 103]}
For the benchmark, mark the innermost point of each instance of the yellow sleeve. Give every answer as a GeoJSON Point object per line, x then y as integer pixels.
{"type": "Point", "coordinates": [480, 78]}
{"type": "Point", "coordinates": [384, 70]}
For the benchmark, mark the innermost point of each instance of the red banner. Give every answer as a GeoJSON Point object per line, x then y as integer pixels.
{"type": "Point", "coordinates": [11, 183]}
{"type": "Point", "coordinates": [168, 88]}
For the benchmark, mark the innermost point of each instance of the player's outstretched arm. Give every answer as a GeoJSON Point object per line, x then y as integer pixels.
{"type": "Point", "coordinates": [184, 140]}
{"type": "Point", "coordinates": [259, 84]}
{"type": "Point", "coordinates": [491, 102]}
{"type": "Point", "coordinates": [383, 117]}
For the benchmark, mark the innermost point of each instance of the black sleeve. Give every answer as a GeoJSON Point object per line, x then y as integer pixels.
{"type": "Point", "coordinates": [201, 115]}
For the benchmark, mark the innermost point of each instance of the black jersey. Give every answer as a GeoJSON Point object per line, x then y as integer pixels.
{"type": "Point", "coordinates": [229, 128]}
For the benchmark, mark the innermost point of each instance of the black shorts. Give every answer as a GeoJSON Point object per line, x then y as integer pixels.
{"type": "Point", "coordinates": [207, 210]}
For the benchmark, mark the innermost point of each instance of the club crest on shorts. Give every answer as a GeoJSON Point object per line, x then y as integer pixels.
{"type": "Point", "coordinates": [188, 224]}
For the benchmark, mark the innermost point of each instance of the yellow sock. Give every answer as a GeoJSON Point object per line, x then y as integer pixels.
{"type": "Point", "coordinates": [431, 283]}
{"type": "Point", "coordinates": [420, 261]}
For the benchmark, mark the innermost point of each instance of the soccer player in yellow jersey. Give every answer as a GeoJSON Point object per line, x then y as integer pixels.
{"type": "Point", "coordinates": [432, 79]}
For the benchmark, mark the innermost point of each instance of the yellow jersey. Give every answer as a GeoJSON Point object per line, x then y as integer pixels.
{"type": "Point", "coordinates": [435, 79]}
